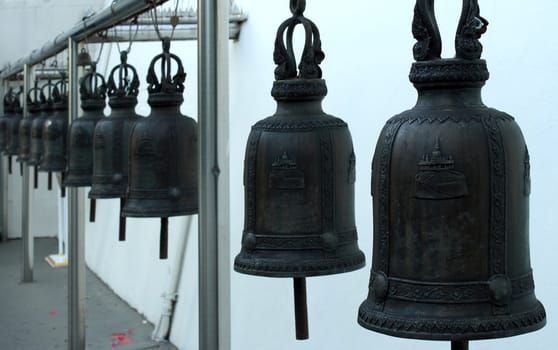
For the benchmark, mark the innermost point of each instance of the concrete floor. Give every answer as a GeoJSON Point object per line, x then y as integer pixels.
{"type": "Point", "coordinates": [33, 316]}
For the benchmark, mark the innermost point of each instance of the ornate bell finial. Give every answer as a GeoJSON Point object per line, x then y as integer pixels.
{"type": "Point", "coordinates": [299, 177]}
{"type": "Point", "coordinates": [305, 81]}
{"type": "Point", "coordinates": [167, 89]}
{"type": "Point", "coordinates": [123, 83]}
{"type": "Point", "coordinates": [92, 89]}
{"type": "Point", "coordinates": [429, 42]}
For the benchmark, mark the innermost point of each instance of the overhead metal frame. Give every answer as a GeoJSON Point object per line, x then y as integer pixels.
{"type": "Point", "coordinates": [213, 32]}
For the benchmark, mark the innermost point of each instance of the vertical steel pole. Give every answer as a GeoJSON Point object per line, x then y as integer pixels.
{"type": "Point", "coordinates": [3, 189]}
{"type": "Point", "coordinates": [27, 237]}
{"type": "Point", "coordinates": [76, 244]}
{"type": "Point", "coordinates": [213, 104]}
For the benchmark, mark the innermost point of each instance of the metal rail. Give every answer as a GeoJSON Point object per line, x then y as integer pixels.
{"type": "Point", "coordinates": [214, 250]}
{"type": "Point", "coordinates": [27, 237]}
{"type": "Point", "coordinates": [119, 11]}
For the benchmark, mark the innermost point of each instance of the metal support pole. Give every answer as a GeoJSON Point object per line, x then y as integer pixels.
{"type": "Point", "coordinates": [76, 257]}
{"type": "Point", "coordinates": [3, 189]}
{"type": "Point", "coordinates": [27, 237]}
{"type": "Point", "coordinates": [213, 104]}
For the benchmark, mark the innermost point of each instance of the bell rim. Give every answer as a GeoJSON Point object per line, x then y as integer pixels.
{"type": "Point", "coordinates": [313, 268]}
{"type": "Point", "coordinates": [143, 213]}
{"type": "Point", "coordinates": [505, 325]}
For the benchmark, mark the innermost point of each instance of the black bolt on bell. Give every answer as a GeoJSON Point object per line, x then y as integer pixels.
{"type": "Point", "coordinates": [55, 132]}
{"type": "Point", "coordinates": [450, 186]}
{"type": "Point", "coordinates": [37, 146]}
{"type": "Point", "coordinates": [164, 151]}
{"type": "Point", "coordinates": [34, 107]}
{"type": "Point", "coordinates": [112, 136]}
{"type": "Point", "coordinates": [12, 128]}
{"type": "Point", "coordinates": [81, 133]}
{"type": "Point", "coordinates": [299, 178]}
{"type": "Point", "coordinates": [80, 136]}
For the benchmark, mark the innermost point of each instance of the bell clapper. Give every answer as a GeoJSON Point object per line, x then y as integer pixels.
{"type": "Point", "coordinates": [36, 178]}
{"type": "Point", "coordinates": [10, 165]}
{"type": "Point", "coordinates": [21, 168]}
{"type": "Point", "coordinates": [459, 345]}
{"type": "Point", "coordinates": [62, 187]}
{"type": "Point", "coordinates": [301, 311]}
{"type": "Point", "coordinates": [92, 209]}
{"type": "Point", "coordinates": [163, 248]}
{"type": "Point", "coordinates": [49, 181]}
{"type": "Point", "coordinates": [122, 226]}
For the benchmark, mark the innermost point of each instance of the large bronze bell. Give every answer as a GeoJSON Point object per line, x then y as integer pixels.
{"type": "Point", "coordinates": [450, 186]}
{"type": "Point", "coordinates": [164, 151]}
{"type": "Point", "coordinates": [299, 177]}
{"type": "Point", "coordinates": [112, 137]}
{"type": "Point", "coordinates": [34, 107]}
{"type": "Point", "coordinates": [55, 132]}
{"type": "Point", "coordinates": [81, 134]}
{"type": "Point", "coordinates": [12, 128]}
{"type": "Point", "coordinates": [37, 147]}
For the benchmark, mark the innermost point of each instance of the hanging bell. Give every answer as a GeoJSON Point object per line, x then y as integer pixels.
{"type": "Point", "coordinates": [80, 136]}
{"type": "Point", "coordinates": [83, 58]}
{"type": "Point", "coordinates": [37, 146]}
{"type": "Point", "coordinates": [5, 118]}
{"type": "Point", "coordinates": [299, 177]}
{"type": "Point", "coordinates": [34, 107]}
{"type": "Point", "coordinates": [163, 151]}
{"type": "Point", "coordinates": [450, 187]}
{"type": "Point", "coordinates": [112, 137]}
{"type": "Point", "coordinates": [55, 131]}
{"type": "Point", "coordinates": [12, 129]}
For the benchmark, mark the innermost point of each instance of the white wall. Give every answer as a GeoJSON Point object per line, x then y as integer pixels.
{"type": "Point", "coordinates": [368, 57]}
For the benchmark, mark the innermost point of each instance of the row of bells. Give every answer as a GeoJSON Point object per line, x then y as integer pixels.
{"type": "Point", "coordinates": [450, 184]}
{"type": "Point", "coordinates": [149, 163]}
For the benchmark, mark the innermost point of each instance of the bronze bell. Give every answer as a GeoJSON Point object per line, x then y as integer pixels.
{"type": "Point", "coordinates": [164, 151]}
{"type": "Point", "coordinates": [12, 128]}
{"type": "Point", "coordinates": [83, 58]}
{"type": "Point", "coordinates": [34, 106]}
{"type": "Point", "coordinates": [299, 176]}
{"type": "Point", "coordinates": [112, 137]}
{"type": "Point", "coordinates": [37, 147]}
{"type": "Point", "coordinates": [55, 132]}
{"type": "Point", "coordinates": [450, 187]}
{"type": "Point", "coordinates": [8, 98]}
{"type": "Point", "coordinates": [81, 134]}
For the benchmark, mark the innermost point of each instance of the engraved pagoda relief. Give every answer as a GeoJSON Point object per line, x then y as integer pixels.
{"type": "Point", "coordinates": [437, 178]}
{"type": "Point", "coordinates": [284, 174]}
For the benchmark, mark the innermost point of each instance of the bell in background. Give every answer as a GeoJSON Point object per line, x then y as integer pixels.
{"type": "Point", "coordinates": [112, 137]}
{"type": "Point", "coordinates": [450, 186]}
{"type": "Point", "coordinates": [8, 111]}
{"type": "Point", "coordinates": [34, 107]}
{"type": "Point", "coordinates": [80, 135]}
{"type": "Point", "coordinates": [55, 132]}
{"type": "Point", "coordinates": [164, 151]}
{"type": "Point", "coordinates": [37, 147]}
{"type": "Point", "coordinates": [299, 175]}
{"type": "Point", "coordinates": [12, 128]}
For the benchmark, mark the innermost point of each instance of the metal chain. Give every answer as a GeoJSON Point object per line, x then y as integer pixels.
{"type": "Point", "coordinates": [174, 19]}
{"type": "Point", "coordinates": [131, 38]}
